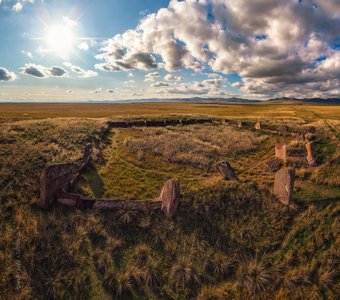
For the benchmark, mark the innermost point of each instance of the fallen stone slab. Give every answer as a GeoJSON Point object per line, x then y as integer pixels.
{"type": "Point", "coordinates": [284, 185]}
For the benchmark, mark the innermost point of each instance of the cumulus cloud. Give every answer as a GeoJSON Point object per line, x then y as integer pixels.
{"type": "Point", "coordinates": [17, 7]}
{"type": "Point", "coordinates": [27, 53]}
{"type": "Point", "coordinates": [152, 76]}
{"type": "Point", "coordinates": [275, 46]}
{"type": "Point", "coordinates": [160, 84]}
{"type": "Point", "coordinates": [43, 72]}
{"type": "Point", "coordinates": [6, 75]}
{"type": "Point", "coordinates": [84, 46]}
{"type": "Point", "coordinates": [80, 71]}
{"type": "Point", "coordinates": [170, 77]}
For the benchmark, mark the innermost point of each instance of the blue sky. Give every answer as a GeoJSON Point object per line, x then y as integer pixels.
{"type": "Point", "coordinates": [57, 50]}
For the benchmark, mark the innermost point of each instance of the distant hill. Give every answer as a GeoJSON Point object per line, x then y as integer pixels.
{"type": "Point", "coordinates": [333, 101]}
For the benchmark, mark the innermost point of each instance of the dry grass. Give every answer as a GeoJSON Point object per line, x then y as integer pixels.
{"type": "Point", "coordinates": [82, 254]}
{"type": "Point", "coordinates": [197, 146]}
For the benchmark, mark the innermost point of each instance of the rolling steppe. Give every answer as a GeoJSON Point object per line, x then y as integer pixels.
{"type": "Point", "coordinates": [227, 240]}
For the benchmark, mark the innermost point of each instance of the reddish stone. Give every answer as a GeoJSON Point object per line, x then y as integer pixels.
{"type": "Point", "coordinates": [310, 147]}
{"type": "Point", "coordinates": [169, 197]}
{"type": "Point", "coordinates": [284, 185]}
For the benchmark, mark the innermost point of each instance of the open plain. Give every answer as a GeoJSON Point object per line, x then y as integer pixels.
{"type": "Point", "coordinates": [228, 239]}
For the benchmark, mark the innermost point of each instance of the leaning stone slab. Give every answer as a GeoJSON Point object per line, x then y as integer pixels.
{"type": "Point", "coordinates": [284, 185]}
{"type": "Point", "coordinates": [281, 151]}
{"type": "Point", "coordinates": [310, 147]}
{"type": "Point", "coordinates": [169, 197]}
{"type": "Point", "coordinates": [226, 170]}
{"type": "Point", "coordinates": [54, 179]}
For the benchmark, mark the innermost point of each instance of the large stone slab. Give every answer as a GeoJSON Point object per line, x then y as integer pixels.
{"type": "Point", "coordinates": [281, 151]}
{"type": "Point", "coordinates": [55, 178]}
{"type": "Point", "coordinates": [226, 170]}
{"type": "Point", "coordinates": [284, 185]}
{"type": "Point", "coordinates": [169, 197]}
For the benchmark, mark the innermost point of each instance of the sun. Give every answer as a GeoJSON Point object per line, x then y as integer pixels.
{"type": "Point", "coordinates": [60, 39]}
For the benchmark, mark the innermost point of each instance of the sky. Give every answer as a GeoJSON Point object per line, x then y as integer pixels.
{"type": "Point", "coordinates": [90, 50]}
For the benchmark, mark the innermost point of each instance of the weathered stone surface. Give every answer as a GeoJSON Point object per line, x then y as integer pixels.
{"type": "Point", "coordinates": [284, 185]}
{"type": "Point", "coordinates": [239, 124]}
{"type": "Point", "coordinates": [223, 121]}
{"type": "Point", "coordinates": [55, 178]}
{"type": "Point", "coordinates": [76, 200]}
{"type": "Point", "coordinates": [275, 164]}
{"type": "Point", "coordinates": [226, 170]}
{"type": "Point", "coordinates": [257, 126]}
{"type": "Point", "coordinates": [310, 147]}
{"type": "Point", "coordinates": [169, 197]}
{"type": "Point", "coordinates": [281, 151]}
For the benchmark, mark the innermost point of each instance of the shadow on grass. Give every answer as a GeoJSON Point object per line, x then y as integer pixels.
{"type": "Point", "coordinates": [94, 180]}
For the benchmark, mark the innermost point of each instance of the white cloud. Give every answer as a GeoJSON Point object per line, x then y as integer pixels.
{"type": "Point", "coordinates": [17, 7]}
{"type": "Point", "coordinates": [152, 76]}
{"type": "Point", "coordinates": [170, 77]}
{"type": "Point", "coordinates": [84, 46]}
{"type": "Point", "coordinates": [80, 71]}
{"type": "Point", "coordinates": [273, 45]}
{"type": "Point", "coordinates": [27, 53]}
{"type": "Point", "coordinates": [43, 72]}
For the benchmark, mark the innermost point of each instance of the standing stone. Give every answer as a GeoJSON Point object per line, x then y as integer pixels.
{"type": "Point", "coordinates": [169, 197]}
{"type": "Point", "coordinates": [284, 185]}
{"type": "Point", "coordinates": [223, 122]}
{"type": "Point", "coordinates": [310, 147]}
{"type": "Point", "coordinates": [226, 170]}
{"type": "Point", "coordinates": [55, 178]}
{"type": "Point", "coordinates": [257, 126]}
{"type": "Point", "coordinates": [239, 124]}
{"type": "Point", "coordinates": [281, 151]}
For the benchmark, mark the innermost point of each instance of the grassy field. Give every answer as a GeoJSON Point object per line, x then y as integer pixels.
{"type": "Point", "coordinates": [233, 241]}
{"type": "Point", "coordinates": [42, 111]}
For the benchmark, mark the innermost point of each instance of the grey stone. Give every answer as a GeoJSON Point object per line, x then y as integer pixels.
{"type": "Point", "coordinates": [226, 170]}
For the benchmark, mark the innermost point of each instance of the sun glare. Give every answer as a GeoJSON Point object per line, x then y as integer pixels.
{"type": "Point", "coordinates": [60, 39]}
